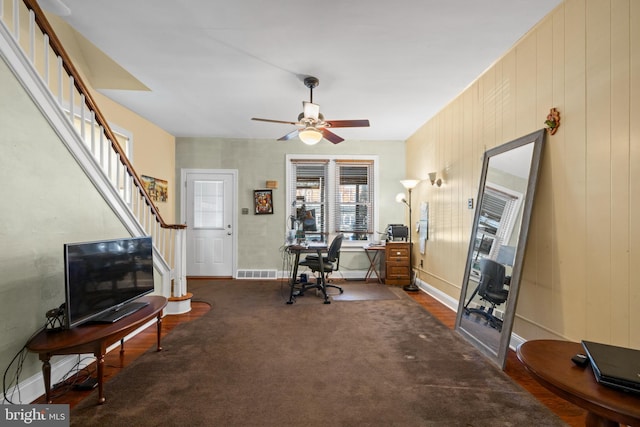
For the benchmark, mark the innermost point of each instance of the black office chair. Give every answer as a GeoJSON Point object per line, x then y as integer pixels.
{"type": "Point", "coordinates": [327, 264]}
{"type": "Point", "coordinates": [491, 289]}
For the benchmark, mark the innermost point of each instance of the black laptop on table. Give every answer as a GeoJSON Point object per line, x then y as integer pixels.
{"type": "Point", "coordinates": [613, 366]}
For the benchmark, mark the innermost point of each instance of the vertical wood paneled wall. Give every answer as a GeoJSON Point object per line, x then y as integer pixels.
{"type": "Point", "coordinates": [579, 279]}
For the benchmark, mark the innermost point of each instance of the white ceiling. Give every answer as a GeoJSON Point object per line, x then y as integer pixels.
{"type": "Point", "coordinates": [211, 65]}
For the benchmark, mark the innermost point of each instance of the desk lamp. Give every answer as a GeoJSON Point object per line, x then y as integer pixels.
{"type": "Point", "coordinates": [409, 184]}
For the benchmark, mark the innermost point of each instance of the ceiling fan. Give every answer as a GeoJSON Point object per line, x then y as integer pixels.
{"type": "Point", "coordinates": [312, 125]}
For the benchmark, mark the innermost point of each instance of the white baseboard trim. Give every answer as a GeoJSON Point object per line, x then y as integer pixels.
{"type": "Point", "coordinates": [445, 299]}
{"type": "Point", "coordinates": [515, 341]}
{"type": "Point", "coordinates": [32, 388]}
{"type": "Point", "coordinates": [452, 303]}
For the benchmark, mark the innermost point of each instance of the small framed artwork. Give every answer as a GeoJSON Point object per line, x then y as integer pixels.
{"type": "Point", "coordinates": [156, 188]}
{"type": "Point", "coordinates": [263, 200]}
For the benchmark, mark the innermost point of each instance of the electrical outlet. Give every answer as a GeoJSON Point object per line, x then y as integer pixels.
{"type": "Point", "coordinates": [470, 203]}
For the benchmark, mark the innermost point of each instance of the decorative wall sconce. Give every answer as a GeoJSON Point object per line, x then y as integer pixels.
{"type": "Point", "coordinates": [435, 180]}
{"type": "Point", "coordinates": [553, 121]}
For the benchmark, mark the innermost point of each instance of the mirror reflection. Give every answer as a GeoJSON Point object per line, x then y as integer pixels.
{"type": "Point", "coordinates": [499, 231]}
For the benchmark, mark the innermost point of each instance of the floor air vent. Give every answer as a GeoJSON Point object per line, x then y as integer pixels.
{"type": "Point", "coordinates": [257, 274]}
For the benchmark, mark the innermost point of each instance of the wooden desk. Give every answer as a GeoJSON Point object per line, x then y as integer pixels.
{"type": "Point", "coordinates": [549, 362]}
{"type": "Point", "coordinates": [373, 254]}
{"type": "Point", "coordinates": [93, 338]}
{"type": "Point", "coordinates": [293, 280]}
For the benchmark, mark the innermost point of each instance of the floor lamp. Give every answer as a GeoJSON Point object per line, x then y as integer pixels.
{"type": "Point", "coordinates": [409, 184]}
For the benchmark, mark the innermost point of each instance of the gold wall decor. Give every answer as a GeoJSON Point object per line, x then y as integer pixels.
{"type": "Point", "coordinates": [158, 189]}
{"type": "Point", "coordinates": [553, 121]}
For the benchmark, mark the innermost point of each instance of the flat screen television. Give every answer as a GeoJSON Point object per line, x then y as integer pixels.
{"type": "Point", "coordinates": [102, 277]}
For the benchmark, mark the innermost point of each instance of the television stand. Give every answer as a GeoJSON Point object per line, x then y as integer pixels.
{"type": "Point", "coordinates": [94, 338]}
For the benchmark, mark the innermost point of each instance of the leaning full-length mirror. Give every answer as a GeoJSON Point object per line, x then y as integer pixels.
{"type": "Point", "coordinates": [498, 239]}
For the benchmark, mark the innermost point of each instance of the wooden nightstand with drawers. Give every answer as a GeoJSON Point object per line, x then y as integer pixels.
{"type": "Point", "coordinates": [397, 263]}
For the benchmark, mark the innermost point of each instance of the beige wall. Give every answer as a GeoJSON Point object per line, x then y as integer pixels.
{"type": "Point", "coordinates": [578, 278]}
{"type": "Point", "coordinates": [47, 201]}
{"type": "Point", "coordinates": [261, 237]}
{"type": "Point", "coordinates": [153, 148]}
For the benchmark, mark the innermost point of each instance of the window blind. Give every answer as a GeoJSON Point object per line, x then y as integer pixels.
{"type": "Point", "coordinates": [308, 193]}
{"type": "Point", "coordinates": [354, 196]}
{"type": "Point", "coordinates": [499, 210]}
{"type": "Point", "coordinates": [493, 207]}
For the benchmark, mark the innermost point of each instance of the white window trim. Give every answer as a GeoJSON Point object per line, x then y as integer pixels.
{"type": "Point", "coordinates": [512, 210]}
{"type": "Point", "coordinates": [119, 131]}
{"type": "Point", "coordinates": [331, 190]}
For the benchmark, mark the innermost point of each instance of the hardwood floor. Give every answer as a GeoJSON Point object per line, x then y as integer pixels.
{"type": "Point", "coordinates": [568, 412]}
{"type": "Point", "coordinates": [571, 414]}
{"type": "Point", "coordinates": [134, 347]}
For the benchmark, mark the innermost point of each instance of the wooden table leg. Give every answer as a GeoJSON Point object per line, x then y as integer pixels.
{"type": "Point", "coordinates": [159, 331]}
{"type": "Point", "coordinates": [122, 353]}
{"type": "Point", "coordinates": [46, 374]}
{"type": "Point", "coordinates": [100, 363]}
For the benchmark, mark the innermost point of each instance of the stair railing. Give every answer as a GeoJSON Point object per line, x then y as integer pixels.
{"type": "Point", "coordinates": [30, 29]}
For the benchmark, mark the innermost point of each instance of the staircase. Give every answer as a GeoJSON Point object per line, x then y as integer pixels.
{"type": "Point", "coordinates": [38, 59]}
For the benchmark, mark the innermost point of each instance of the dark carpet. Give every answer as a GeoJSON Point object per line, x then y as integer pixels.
{"type": "Point", "coordinates": [362, 292]}
{"type": "Point", "coordinates": [253, 360]}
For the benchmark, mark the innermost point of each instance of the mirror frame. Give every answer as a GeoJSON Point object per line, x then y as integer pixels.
{"type": "Point", "coordinates": [538, 139]}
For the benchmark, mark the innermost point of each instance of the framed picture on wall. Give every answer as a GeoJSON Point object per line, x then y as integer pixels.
{"type": "Point", "coordinates": [263, 200]}
{"type": "Point", "coordinates": [158, 189]}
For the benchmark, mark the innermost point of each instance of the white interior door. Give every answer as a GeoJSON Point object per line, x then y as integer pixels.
{"type": "Point", "coordinates": [209, 211]}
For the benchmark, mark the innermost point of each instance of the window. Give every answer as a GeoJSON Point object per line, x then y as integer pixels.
{"type": "Point", "coordinates": [332, 194]}
{"type": "Point", "coordinates": [498, 215]}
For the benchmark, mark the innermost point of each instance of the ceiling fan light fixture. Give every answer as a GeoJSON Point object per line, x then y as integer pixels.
{"type": "Point", "coordinates": [311, 125]}
{"type": "Point", "coordinates": [310, 135]}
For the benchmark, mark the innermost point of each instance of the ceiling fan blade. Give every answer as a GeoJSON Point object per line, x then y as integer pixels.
{"type": "Point", "coordinates": [331, 137]}
{"type": "Point", "coordinates": [347, 123]}
{"type": "Point", "coordinates": [274, 121]}
{"type": "Point", "coordinates": [290, 135]}
{"type": "Point", "coordinates": [310, 110]}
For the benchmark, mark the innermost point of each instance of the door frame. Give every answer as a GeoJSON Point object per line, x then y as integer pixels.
{"type": "Point", "coordinates": [234, 186]}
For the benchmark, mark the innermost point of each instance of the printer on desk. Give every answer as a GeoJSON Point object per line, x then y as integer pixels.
{"type": "Point", "coordinates": [397, 232]}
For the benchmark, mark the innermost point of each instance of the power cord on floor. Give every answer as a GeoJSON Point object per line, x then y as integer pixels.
{"type": "Point", "coordinates": [74, 377]}
{"type": "Point", "coordinates": [20, 357]}
{"type": "Point", "coordinates": [11, 389]}
{"type": "Point", "coordinates": [8, 398]}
